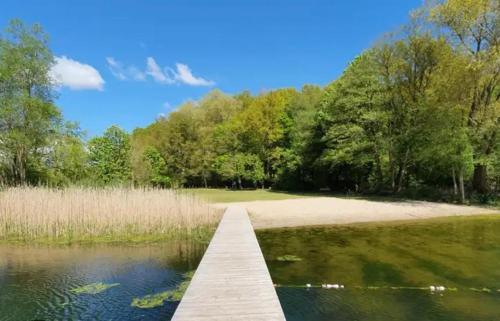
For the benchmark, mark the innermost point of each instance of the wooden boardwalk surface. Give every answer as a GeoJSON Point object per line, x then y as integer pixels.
{"type": "Point", "coordinates": [232, 281]}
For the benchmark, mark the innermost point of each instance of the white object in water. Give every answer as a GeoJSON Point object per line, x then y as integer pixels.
{"type": "Point", "coordinates": [308, 285]}
{"type": "Point", "coordinates": [341, 286]}
{"type": "Point", "coordinates": [433, 288]}
{"type": "Point", "coordinates": [441, 288]}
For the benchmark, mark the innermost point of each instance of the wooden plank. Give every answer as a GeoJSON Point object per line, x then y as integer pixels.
{"type": "Point", "coordinates": [232, 281]}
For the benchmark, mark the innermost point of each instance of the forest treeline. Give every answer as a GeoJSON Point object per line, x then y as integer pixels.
{"type": "Point", "coordinates": [416, 114]}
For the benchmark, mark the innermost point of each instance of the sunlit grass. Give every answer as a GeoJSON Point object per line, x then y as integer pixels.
{"type": "Point", "coordinates": [215, 195]}
{"type": "Point", "coordinates": [102, 215]}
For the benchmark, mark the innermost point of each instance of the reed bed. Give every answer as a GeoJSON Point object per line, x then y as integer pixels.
{"type": "Point", "coordinates": [113, 214]}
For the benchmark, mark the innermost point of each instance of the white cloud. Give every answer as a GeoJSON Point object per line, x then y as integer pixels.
{"type": "Point", "coordinates": [124, 73]}
{"type": "Point", "coordinates": [185, 76]}
{"type": "Point", "coordinates": [75, 75]}
{"type": "Point", "coordinates": [181, 75]}
{"type": "Point", "coordinates": [154, 70]}
{"type": "Point", "coordinates": [116, 68]}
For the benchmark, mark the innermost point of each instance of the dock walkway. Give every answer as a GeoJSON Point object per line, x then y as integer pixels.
{"type": "Point", "coordinates": [232, 281]}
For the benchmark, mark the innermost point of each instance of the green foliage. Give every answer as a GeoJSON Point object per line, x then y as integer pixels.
{"type": "Point", "coordinates": [93, 288]}
{"type": "Point", "coordinates": [28, 117]}
{"type": "Point", "coordinates": [240, 167]}
{"type": "Point", "coordinates": [157, 167]}
{"type": "Point", "coordinates": [109, 157]}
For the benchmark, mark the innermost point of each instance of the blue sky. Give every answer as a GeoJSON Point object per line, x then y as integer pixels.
{"type": "Point", "coordinates": [124, 62]}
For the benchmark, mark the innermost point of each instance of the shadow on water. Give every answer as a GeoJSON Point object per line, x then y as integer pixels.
{"type": "Point", "coordinates": [376, 273]}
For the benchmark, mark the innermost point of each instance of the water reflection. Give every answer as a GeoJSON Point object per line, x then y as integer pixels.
{"type": "Point", "coordinates": [35, 282]}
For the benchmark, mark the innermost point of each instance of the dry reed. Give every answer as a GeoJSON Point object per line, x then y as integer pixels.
{"type": "Point", "coordinates": [84, 214]}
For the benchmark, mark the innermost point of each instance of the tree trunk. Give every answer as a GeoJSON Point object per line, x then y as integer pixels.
{"type": "Point", "coordinates": [480, 179]}
{"type": "Point", "coordinates": [455, 187]}
{"type": "Point", "coordinates": [19, 165]}
{"type": "Point", "coordinates": [380, 175]}
{"type": "Point", "coordinates": [401, 173]}
{"type": "Point", "coordinates": [399, 179]}
{"type": "Point", "coordinates": [461, 184]}
{"type": "Point", "coordinates": [240, 186]}
{"type": "Point", "coordinates": [392, 170]}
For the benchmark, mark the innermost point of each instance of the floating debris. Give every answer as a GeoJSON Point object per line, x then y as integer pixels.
{"type": "Point", "coordinates": [93, 288]}
{"type": "Point", "coordinates": [332, 286]}
{"type": "Point", "coordinates": [437, 288]}
{"type": "Point", "coordinates": [289, 258]}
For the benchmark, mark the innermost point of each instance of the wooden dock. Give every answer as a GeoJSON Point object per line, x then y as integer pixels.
{"type": "Point", "coordinates": [232, 281]}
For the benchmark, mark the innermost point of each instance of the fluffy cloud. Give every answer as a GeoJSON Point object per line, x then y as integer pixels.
{"type": "Point", "coordinates": [181, 75]}
{"type": "Point", "coordinates": [75, 75]}
{"type": "Point", "coordinates": [185, 76]}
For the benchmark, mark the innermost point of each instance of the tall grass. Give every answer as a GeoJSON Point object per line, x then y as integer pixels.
{"type": "Point", "coordinates": [114, 214]}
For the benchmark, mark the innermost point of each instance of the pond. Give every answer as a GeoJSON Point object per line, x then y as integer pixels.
{"type": "Point", "coordinates": [387, 270]}
{"type": "Point", "coordinates": [91, 283]}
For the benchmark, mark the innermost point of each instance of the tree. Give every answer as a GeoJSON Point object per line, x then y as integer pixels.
{"type": "Point", "coordinates": [356, 126]}
{"type": "Point", "coordinates": [259, 129]}
{"type": "Point", "coordinates": [156, 168]}
{"type": "Point", "coordinates": [109, 157]}
{"type": "Point", "coordinates": [407, 68]}
{"type": "Point", "coordinates": [28, 116]}
{"type": "Point", "coordinates": [474, 30]}
{"type": "Point", "coordinates": [294, 158]}
{"type": "Point", "coordinates": [66, 160]}
{"type": "Point", "coordinates": [239, 167]}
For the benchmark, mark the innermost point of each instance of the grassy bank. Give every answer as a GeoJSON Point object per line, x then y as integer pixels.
{"type": "Point", "coordinates": [80, 215]}
{"type": "Point", "coordinates": [214, 195]}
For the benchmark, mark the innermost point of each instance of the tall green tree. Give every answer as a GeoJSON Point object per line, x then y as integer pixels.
{"type": "Point", "coordinates": [109, 157]}
{"type": "Point", "coordinates": [356, 126]}
{"type": "Point", "coordinates": [156, 168]}
{"type": "Point", "coordinates": [65, 161]}
{"type": "Point", "coordinates": [473, 27]}
{"type": "Point", "coordinates": [28, 116]}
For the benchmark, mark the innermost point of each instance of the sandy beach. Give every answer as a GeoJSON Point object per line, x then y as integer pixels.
{"type": "Point", "coordinates": [332, 210]}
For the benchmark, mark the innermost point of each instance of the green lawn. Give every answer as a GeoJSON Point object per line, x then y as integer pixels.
{"type": "Point", "coordinates": [225, 196]}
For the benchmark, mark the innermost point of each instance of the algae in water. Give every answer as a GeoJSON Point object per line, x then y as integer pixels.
{"type": "Point", "coordinates": [155, 300]}
{"type": "Point", "coordinates": [289, 258]}
{"type": "Point", "coordinates": [93, 288]}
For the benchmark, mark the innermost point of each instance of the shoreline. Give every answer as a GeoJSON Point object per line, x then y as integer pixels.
{"type": "Point", "coordinates": [321, 211]}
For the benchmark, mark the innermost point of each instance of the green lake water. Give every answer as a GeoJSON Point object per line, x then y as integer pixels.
{"type": "Point", "coordinates": [387, 270]}
{"type": "Point", "coordinates": [59, 283]}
